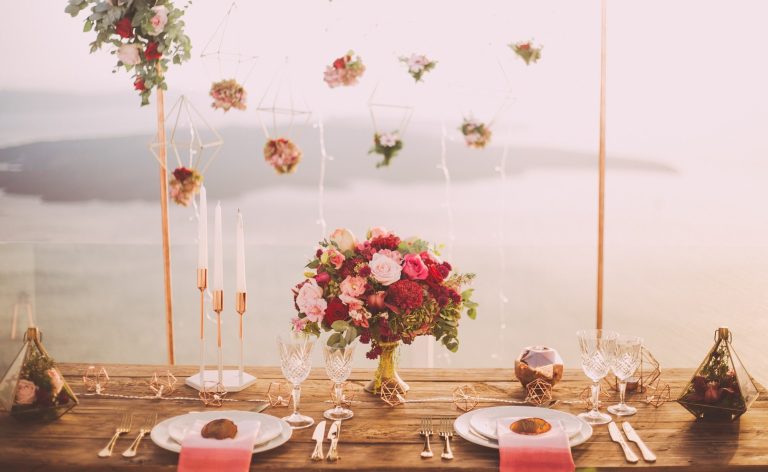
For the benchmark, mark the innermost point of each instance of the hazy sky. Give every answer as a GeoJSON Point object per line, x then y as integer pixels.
{"type": "Point", "coordinates": [679, 71]}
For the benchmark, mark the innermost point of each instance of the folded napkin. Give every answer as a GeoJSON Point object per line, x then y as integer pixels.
{"type": "Point", "coordinates": [548, 452]}
{"type": "Point", "coordinates": [199, 454]}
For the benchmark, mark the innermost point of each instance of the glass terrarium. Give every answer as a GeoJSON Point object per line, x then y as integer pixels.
{"type": "Point", "coordinates": [32, 387]}
{"type": "Point", "coordinates": [721, 388]}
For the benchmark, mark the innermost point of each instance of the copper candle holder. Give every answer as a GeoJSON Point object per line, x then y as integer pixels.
{"type": "Point", "coordinates": [240, 305]}
{"type": "Point", "coordinates": [218, 306]}
{"type": "Point", "coordinates": [202, 284]}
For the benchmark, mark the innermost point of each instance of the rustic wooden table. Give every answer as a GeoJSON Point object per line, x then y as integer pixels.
{"type": "Point", "coordinates": [378, 437]}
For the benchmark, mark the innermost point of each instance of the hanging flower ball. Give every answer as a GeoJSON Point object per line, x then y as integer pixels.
{"type": "Point", "coordinates": [418, 65]}
{"type": "Point", "coordinates": [346, 70]}
{"type": "Point", "coordinates": [476, 134]}
{"type": "Point", "coordinates": [386, 144]}
{"type": "Point", "coordinates": [282, 154]}
{"type": "Point", "coordinates": [185, 183]}
{"type": "Point", "coordinates": [527, 51]}
{"type": "Point", "coordinates": [228, 94]}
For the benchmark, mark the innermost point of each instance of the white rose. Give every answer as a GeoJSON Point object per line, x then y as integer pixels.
{"type": "Point", "coordinates": [384, 269]}
{"type": "Point", "coordinates": [129, 54]}
{"type": "Point", "coordinates": [344, 239]}
{"type": "Point", "coordinates": [159, 20]}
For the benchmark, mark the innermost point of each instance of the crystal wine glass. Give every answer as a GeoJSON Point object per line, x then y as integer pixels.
{"type": "Point", "coordinates": [295, 352]}
{"type": "Point", "coordinates": [626, 358]}
{"type": "Point", "coordinates": [338, 365]}
{"type": "Point", "coordinates": [596, 348]}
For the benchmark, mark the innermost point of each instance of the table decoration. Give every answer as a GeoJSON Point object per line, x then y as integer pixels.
{"type": "Point", "coordinates": [349, 392]}
{"type": "Point", "coordinates": [95, 380]}
{"type": "Point", "coordinates": [465, 397]}
{"type": "Point", "coordinates": [648, 372]}
{"type": "Point", "coordinates": [658, 393]}
{"type": "Point", "coordinates": [163, 385]}
{"type": "Point", "coordinates": [477, 134]}
{"type": "Point", "coordinates": [338, 366]}
{"type": "Point", "coordinates": [539, 362]}
{"type": "Point", "coordinates": [344, 71]}
{"type": "Point", "coordinates": [295, 352]}
{"type": "Point", "coordinates": [587, 400]}
{"type": "Point", "coordinates": [549, 450]}
{"type": "Point", "coordinates": [527, 51]}
{"type": "Point", "coordinates": [721, 388]}
{"type": "Point", "coordinates": [212, 394]}
{"type": "Point", "coordinates": [539, 392]}
{"type": "Point", "coordinates": [625, 361]}
{"type": "Point", "coordinates": [279, 394]}
{"type": "Point", "coordinates": [391, 392]}
{"type": "Point", "coordinates": [384, 291]}
{"type": "Point", "coordinates": [200, 452]}
{"type": "Point", "coordinates": [32, 387]}
{"type": "Point", "coordinates": [597, 348]}
{"type": "Point", "coordinates": [418, 65]}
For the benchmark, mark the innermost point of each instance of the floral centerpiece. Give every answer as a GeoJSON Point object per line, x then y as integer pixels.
{"type": "Point", "coordinates": [282, 154]}
{"type": "Point", "coordinates": [527, 51]}
{"type": "Point", "coordinates": [185, 183]}
{"type": "Point", "coordinates": [382, 291]}
{"type": "Point", "coordinates": [228, 94]}
{"type": "Point", "coordinates": [386, 144]}
{"type": "Point", "coordinates": [147, 35]}
{"type": "Point", "coordinates": [476, 134]}
{"type": "Point", "coordinates": [418, 65]}
{"type": "Point", "coordinates": [346, 70]}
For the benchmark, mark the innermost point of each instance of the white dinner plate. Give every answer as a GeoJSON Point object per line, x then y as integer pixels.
{"type": "Point", "coordinates": [484, 421]}
{"type": "Point", "coordinates": [269, 428]}
{"type": "Point", "coordinates": [162, 438]}
{"type": "Point", "coordinates": [464, 429]}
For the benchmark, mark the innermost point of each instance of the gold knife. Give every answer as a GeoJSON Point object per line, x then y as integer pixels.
{"type": "Point", "coordinates": [616, 436]}
{"type": "Point", "coordinates": [632, 435]}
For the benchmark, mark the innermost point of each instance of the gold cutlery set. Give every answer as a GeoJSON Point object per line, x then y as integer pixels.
{"type": "Point", "coordinates": [124, 427]}
{"type": "Point", "coordinates": [445, 431]}
{"type": "Point", "coordinates": [333, 435]}
{"type": "Point", "coordinates": [632, 435]}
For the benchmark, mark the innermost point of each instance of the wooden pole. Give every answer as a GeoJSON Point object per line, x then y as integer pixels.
{"type": "Point", "coordinates": [601, 191]}
{"type": "Point", "coordinates": [166, 233]}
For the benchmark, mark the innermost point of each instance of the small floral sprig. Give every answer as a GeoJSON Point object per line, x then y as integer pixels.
{"type": "Point", "coordinates": [527, 51]}
{"type": "Point", "coordinates": [228, 94]}
{"type": "Point", "coordinates": [418, 65]}
{"type": "Point", "coordinates": [382, 289]}
{"type": "Point", "coordinates": [346, 70]}
{"type": "Point", "coordinates": [185, 183]}
{"type": "Point", "coordinates": [145, 34]}
{"type": "Point", "coordinates": [282, 154]}
{"type": "Point", "coordinates": [40, 385]}
{"type": "Point", "coordinates": [386, 144]}
{"type": "Point", "coordinates": [476, 134]}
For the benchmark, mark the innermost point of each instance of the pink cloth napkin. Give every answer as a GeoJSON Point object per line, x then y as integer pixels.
{"type": "Point", "coordinates": [199, 454]}
{"type": "Point", "coordinates": [548, 452]}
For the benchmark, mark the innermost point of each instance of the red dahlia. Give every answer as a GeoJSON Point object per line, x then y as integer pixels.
{"type": "Point", "coordinates": [404, 296]}
{"type": "Point", "coordinates": [124, 28]}
{"type": "Point", "coordinates": [151, 52]}
{"type": "Point", "coordinates": [336, 311]}
{"type": "Point", "coordinates": [182, 173]}
{"type": "Point", "coordinates": [389, 241]}
{"type": "Point", "coordinates": [340, 63]}
{"type": "Point", "coordinates": [139, 85]}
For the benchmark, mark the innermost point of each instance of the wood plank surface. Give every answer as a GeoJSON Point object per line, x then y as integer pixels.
{"type": "Point", "coordinates": [379, 437]}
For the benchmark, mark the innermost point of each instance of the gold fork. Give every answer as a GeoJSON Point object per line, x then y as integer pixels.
{"type": "Point", "coordinates": [149, 422]}
{"type": "Point", "coordinates": [446, 432]}
{"type": "Point", "coordinates": [426, 431]}
{"type": "Point", "coordinates": [123, 427]}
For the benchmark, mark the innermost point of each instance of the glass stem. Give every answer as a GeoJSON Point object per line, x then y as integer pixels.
{"type": "Point", "coordinates": [622, 392]}
{"type": "Point", "coordinates": [339, 397]}
{"type": "Point", "coordinates": [595, 397]}
{"type": "Point", "coordinates": [296, 398]}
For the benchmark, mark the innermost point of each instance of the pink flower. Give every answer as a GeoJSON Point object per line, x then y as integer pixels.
{"type": "Point", "coordinates": [159, 20]}
{"type": "Point", "coordinates": [310, 300]}
{"type": "Point", "coordinates": [298, 324]}
{"type": "Point", "coordinates": [384, 269]}
{"type": "Point", "coordinates": [353, 286]}
{"type": "Point", "coordinates": [359, 317]}
{"type": "Point", "coordinates": [26, 392]}
{"type": "Point", "coordinates": [57, 383]}
{"type": "Point", "coordinates": [128, 54]}
{"type": "Point", "coordinates": [335, 258]}
{"type": "Point", "coordinates": [352, 302]}
{"type": "Point", "coordinates": [415, 268]}
{"type": "Point", "coordinates": [377, 231]}
{"type": "Point", "coordinates": [316, 311]}
{"type": "Point", "coordinates": [394, 255]}
{"type": "Point", "coordinates": [344, 239]}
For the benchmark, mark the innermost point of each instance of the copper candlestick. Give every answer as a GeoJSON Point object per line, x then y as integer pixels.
{"type": "Point", "coordinates": [240, 303]}
{"type": "Point", "coordinates": [218, 306]}
{"type": "Point", "coordinates": [202, 284]}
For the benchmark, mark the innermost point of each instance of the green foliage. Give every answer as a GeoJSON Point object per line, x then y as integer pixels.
{"type": "Point", "coordinates": [387, 151]}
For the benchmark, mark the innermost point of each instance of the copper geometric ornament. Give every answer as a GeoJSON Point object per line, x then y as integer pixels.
{"type": "Point", "coordinates": [658, 393]}
{"type": "Point", "coordinates": [212, 394]}
{"type": "Point", "coordinates": [279, 394]}
{"type": "Point", "coordinates": [465, 397]}
{"type": "Point", "coordinates": [586, 397]}
{"type": "Point", "coordinates": [95, 380]}
{"type": "Point", "coordinates": [348, 393]}
{"type": "Point", "coordinates": [647, 373]}
{"type": "Point", "coordinates": [163, 385]}
{"type": "Point", "coordinates": [392, 392]}
{"type": "Point", "coordinates": [539, 392]}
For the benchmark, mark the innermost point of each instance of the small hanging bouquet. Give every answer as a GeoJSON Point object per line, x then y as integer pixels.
{"type": "Point", "coordinates": [185, 183]}
{"type": "Point", "coordinates": [345, 70]}
{"type": "Point", "coordinates": [282, 154]}
{"type": "Point", "coordinates": [228, 94]}
{"type": "Point", "coordinates": [527, 51]}
{"type": "Point", "coordinates": [418, 65]}
{"type": "Point", "coordinates": [386, 144]}
{"type": "Point", "coordinates": [476, 134]}
{"type": "Point", "coordinates": [147, 36]}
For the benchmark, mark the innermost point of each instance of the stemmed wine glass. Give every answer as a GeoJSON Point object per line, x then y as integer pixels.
{"type": "Point", "coordinates": [295, 352]}
{"type": "Point", "coordinates": [338, 365]}
{"type": "Point", "coordinates": [597, 348]}
{"type": "Point", "coordinates": [626, 359]}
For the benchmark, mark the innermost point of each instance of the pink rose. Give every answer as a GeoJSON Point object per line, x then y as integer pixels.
{"type": "Point", "coordinates": [26, 392]}
{"type": "Point", "coordinates": [415, 268]}
{"type": "Point", "coordinates": [385, 270]}
{"type": "Point", "coordinates": [57, 383]}
{"type": "Point", "coordinates": [159, 20]}
{"type": "Point", "coordinates": [353, 286]}
{"type": "Point", "coordinates": [394, 255]}
{"type": "Point", "coordinates": [316, 311]}
{"type": "Point", "coordinates": [334, 257]}
{"type": "Point", "coordinates": [344, 239]}
{"type": "Point", "coordinates": [377, 231]}
{"type": "Point", "coordinates": [128, 54]}
{"type": "Point", "coordinates": [360, 317]}
{"type": "Point", "coordinates": [309, 299]}
{"type": "Point", "coordinates": [352, 302]}
{"type": "Point", "coordinates": [298, 324]}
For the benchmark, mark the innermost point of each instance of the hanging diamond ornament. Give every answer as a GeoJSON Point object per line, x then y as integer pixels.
{"type": "Point", "coordinates": [95, 380]}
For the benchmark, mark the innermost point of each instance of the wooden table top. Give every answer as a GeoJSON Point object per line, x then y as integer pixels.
{"type": "Point", "coordinates": [379, 437]}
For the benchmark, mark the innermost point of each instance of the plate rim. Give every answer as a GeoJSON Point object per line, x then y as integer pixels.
{"type": "Point", "coordinates": [559, 412]}
{"type": "Point", "coordinates": [176, 418]}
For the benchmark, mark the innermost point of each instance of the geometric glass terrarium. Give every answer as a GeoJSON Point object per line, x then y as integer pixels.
{"type": "Point", "coordinates": [32, 387]}
{"type": "Point", "coordinates": [721, 388]}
